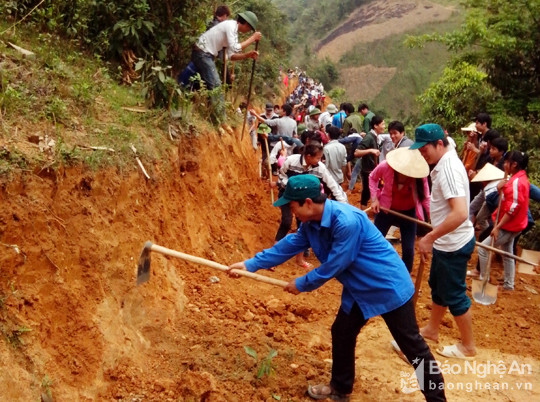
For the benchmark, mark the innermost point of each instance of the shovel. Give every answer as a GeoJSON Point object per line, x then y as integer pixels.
{"type": "Point", "coordinates": [484, 292]}
{"type": "Point", "coordinates": [418, 282]}
{"type": "Point", "coordinates": [143, 265]}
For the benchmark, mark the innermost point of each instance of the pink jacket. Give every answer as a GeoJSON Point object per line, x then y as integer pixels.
{"type": "Point", "coordinates": [384, 195]}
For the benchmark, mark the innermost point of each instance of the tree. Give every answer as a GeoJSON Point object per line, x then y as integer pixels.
{"type": "Point", "coordinates": [457, 96]}
{"type": "Point", "coordinates": [503, 39]}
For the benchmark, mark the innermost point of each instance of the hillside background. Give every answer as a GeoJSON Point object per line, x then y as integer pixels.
{"type": "Point", "coordinates": [364, 43]}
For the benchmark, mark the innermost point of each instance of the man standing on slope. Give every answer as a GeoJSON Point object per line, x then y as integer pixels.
{"type": "Point", "coordinates": [223, 35]}
{"type": "Point", "coordinates": [451, 241]}
{"type": "Point", "coordinates": [375, 282]}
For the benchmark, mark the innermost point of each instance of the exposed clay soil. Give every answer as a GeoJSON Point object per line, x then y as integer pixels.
{"type": "Point", "coordinates": [95, 335]}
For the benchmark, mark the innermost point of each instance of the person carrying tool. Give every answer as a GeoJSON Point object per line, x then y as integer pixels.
{"type": "Point", "coordinates": [368, 151]}
{"type": "Point", "coordinates": [513, 214]}
{"type": "Point", "coordinates": [399, 183]}
{"type": "Point", "coordinates": [375, 282]}
{"type": "Point", "coordinates": [451, 241]}
{"type": "Point", "coordinates": [223, 35]}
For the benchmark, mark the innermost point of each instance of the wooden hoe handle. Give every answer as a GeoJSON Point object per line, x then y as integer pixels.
{"type": "Point", "coordinates": [212, 264]}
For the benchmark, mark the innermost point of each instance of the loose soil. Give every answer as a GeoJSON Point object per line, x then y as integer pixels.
{"type": "Point", "coordinates": [69, 278]}
{"type": "Point", "coordinates": [378, 20]}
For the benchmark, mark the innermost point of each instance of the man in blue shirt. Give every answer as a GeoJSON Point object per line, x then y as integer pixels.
{"type": "Point", "coordinates": [374, 278]}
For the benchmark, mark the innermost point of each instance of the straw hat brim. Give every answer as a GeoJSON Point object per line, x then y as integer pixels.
{"type": "Point", "coordinates": [408, 162]}
{"type": "Point", "coordinates": [470, 127]}
{"type": "Point", "coordinates": [488, 173]}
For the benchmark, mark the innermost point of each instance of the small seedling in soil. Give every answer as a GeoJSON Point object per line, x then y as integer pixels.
{"type": "Point", "coordinates": [14, 338]}
{"type": "Point", "coordinates": [265, 367]}
{"type": "Point", "coordinates": [46, 385]}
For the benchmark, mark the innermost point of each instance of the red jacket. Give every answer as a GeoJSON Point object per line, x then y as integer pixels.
{"type": "Point", "coordinates": [515, 202]}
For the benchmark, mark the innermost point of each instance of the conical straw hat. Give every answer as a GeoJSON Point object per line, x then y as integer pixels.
{"type": "Point", "coordinates": [470, 127]}
{"type": "Point", "coordinates": [488, 173]}
{"type": "Point", "coordinates": [408, 162]}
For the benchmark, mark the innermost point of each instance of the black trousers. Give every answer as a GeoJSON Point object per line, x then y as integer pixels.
{"type": "Point", "coordinates": [402, 325]}
{"type": "Point", "coordinates": [365, 195]}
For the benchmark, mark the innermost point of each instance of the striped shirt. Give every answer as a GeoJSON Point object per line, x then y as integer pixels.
{"type": "Point", "coordinates": [449, 180]}
{"type": "Point", "coordinates": [295, 165]}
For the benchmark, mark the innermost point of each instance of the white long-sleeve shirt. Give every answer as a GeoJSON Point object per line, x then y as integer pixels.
{"type": "Point", "coordinates": [224, 34]}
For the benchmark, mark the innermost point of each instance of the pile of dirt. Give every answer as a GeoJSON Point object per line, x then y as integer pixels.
{"type": "Point", "coordinates": [75, 324]}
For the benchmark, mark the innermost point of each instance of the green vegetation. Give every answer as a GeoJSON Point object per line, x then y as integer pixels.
{"type": "Point", "coordinates": [495, 70]}
{"type": "Point", "coordinates": [46, 384]}
{"type": "Point", "coordinates": [415, 69]}
{"type": "Point", "coordinates": [265, 367]}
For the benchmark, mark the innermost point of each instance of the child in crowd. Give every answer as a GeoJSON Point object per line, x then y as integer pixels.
{"type": "Point", "coordinates": [309, 162]}
{"type": "Point", "coordinates": [497, 149]}
{"type": "Point", "coordinates": [335, 155]}
{"type": "Point", "coordinates": [512, 216]}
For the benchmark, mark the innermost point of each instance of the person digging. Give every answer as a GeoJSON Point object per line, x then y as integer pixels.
{"type": "Point", "coordinates": [374, 278]}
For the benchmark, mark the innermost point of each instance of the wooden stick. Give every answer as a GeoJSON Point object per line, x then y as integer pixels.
{"type": "Point", "coordinates": [492, 243]}
{"type": "Point", "coordinates": [225, 69]}
{"type": "Point", "coordinates": [139, 162]}
{"type": "Point", "coordinates": [418, 281]}
{"type": "Point", "coordinates": [212, 264]}
{"type": "Point", "coordinates": [269, 168]}
{"type": "Point", "coordinates": [478, 244]}
{"type": "Point", "coordinates": [249, 94]}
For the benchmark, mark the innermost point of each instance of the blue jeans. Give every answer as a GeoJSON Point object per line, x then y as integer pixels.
{"type": "Point", "coordinates": [505, 242]}
{"type": "Point", "coordinates": [205, 66]}
{"type": "Point", "coordinates": [354, 174]}
{"type": "Point", "coordinates": [407, 229]}
{"type": "Point", "coordinates": [289, 140]}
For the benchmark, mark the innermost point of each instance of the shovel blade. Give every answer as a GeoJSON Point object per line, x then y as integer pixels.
{"type": "Point", "coordinates": [484, 292]}
{"type": "Point", "coordinates": [143, 265]}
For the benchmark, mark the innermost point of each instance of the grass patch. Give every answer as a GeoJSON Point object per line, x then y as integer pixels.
{"type": "Point", "coordinates": [74, 98]}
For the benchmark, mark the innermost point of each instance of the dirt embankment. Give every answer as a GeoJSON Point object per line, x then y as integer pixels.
{"type": "Point", "coordinates": [70, 276]}
{"type": "Point", "coordinates": [74, 323]}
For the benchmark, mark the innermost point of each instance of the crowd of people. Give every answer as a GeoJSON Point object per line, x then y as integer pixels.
{"type": "Point", "coordinates": [481, 193]}
{"type": "Point", "coordinates": [317, 150]}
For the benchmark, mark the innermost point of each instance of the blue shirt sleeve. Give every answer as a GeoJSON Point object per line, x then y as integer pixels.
{"type": "Point", "coordinates": [343, 252]}
{"type": "Point", "coordinates": [280, 252]}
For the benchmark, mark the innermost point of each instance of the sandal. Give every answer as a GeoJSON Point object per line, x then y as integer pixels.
{"type": "Point", "coordinates": [323, 391]}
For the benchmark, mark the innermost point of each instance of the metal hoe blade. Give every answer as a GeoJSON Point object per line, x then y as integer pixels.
{"type": "Point", "coordinates": [143, 265]}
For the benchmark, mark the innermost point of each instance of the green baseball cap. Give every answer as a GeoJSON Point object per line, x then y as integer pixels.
{"type": "Point", "coordinates": [426, 133]}
{"type": "Point", "coordinates": [299, 188]}
{"type": "Point", "coordinates": [250, 18]}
